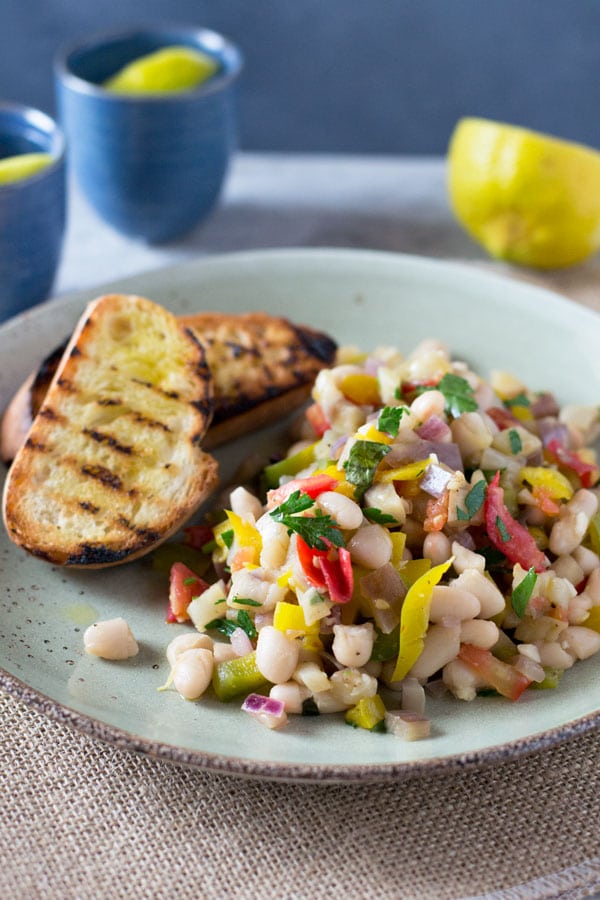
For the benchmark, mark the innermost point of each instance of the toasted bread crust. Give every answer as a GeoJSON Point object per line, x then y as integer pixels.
{"type": "Point", "coordinates": [262, 366]}
{"type": "Point", "coordinates": [112, 464]}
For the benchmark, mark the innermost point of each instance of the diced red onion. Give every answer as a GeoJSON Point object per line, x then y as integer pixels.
{"type": "Point", "coordinates": [529, 668]}
{"type": "Point", "coordinates": [337, 446]}
{"type": "Point", "coordinates": [435, 429]}
{"type": "Point", "coordinates": [266, 710]}
{"type": "Point", "coordinates": [240, 642]}
{"type": "Point", "coordinates": [465, 539]}
{"type": "Point", "coordinates": [436, 688]}
{"type": "Point", "coordinates": [544, 405]}
{"type": "Point", "coordinates": [552, 430]}
{"type": "Point", "coordinates": [372, 365]}
{"type": "Point", "coordinates": [413, 450]}
{"type": "Point", "coordinates": [435, 480]}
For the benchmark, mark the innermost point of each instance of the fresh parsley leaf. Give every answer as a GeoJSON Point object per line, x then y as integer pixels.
{"type": "Point", "coordinates": [188, 581]}
{"type": "Point", "coordinates": [315, 529]}
{"type": "Point", "coordinates": [473, 501]}
{"type": "Point", "coordinates": [390, 418]}
{"type": "Point", "coordinates": [522, 593]}
{"type": "Point", "coordinates": [246, 601]}
{"type": "Point", "coordinates": [516, 444]}
{"type": "Point", "coordinates": [520, 400]}
{"type": "Point", "coordinates": [228, 626]}
{"type": "Point", "coordinates": [209, 547]}
{"type": "Point", "coordinates": [244, 621]}
{"type": "Point", "coordinates": [227, 537]}
{"type": "Point", "coordinates": [503, 530]}
{"type": "Point", "coordinates": [362, 464]}
{"type": "Point", "coordinates": [375, 515]}
{"type": "Point", "coordinates": [458, 393]}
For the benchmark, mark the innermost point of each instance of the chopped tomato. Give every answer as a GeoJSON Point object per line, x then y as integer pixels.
{"type": "Point", "coordinates": [329, 570]}
{"type": "Point", "coordinates": [410, 389]}
{"type": "Point", "coordinates": [243, 556]}
{"type": "Point", "coordinates": [544, 501]}
{"type": "Point", "coordinates": [508, 535]}
{"type": "Point", "coordinates": [503, 677]}
{"type": "Point", "coordinates": [317, 419]}
{"type": "Point", "coordinates": [502, 417]}
{"type": "Point", "coordinates": [588, 472]}
{"type": "Point", "coordinates": [436, 514]}
{"type": "Point", "coordinates": [198, 535]}
{"type": "Point", "coordinates": [184, 585]}
{"type": "Point", "coordinates": [312, 486]}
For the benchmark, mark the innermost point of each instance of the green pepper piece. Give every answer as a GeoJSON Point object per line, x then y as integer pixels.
{"type": "Point", "coordinates": [291, 465]}
{"type": "Point", "coordinates": [385, 646]}
{"type": "Point", "coordinates": [167, 554]}
{"type": "Point", "coordinates": [551, 680]}
{"type": "Point", "coordinates": [237, 676]}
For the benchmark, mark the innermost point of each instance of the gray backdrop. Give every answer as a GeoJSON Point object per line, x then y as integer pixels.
{"type": "Point", "coordinates": [389, 76]}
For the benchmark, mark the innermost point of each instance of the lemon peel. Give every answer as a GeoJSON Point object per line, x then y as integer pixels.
{"type": "Point", "coordinates": [527, 197]}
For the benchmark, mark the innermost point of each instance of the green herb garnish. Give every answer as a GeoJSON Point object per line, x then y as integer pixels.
{"type": "Point", "coordinates": [375, 515]}
{"type": "Point", "coordinates": [228, 626]}
{"type": "Point", "coordinates": [227, 537]}
{"type": "Point", "coordinates": [246, 601]}
{"type": "Point", "coordinates": [522, 593]}
{"type": "Point", "coordinates": [188, 581]}
{"type": "Point", "coordinates": [390, 417]}
{"type": "Point", "coordinates": [473, 501]}
{"type": "Point", "coordinates": [520, 400]}
{"type": "Point", "coordinates": [458, 393]}
{"type": "Point", "coordinates": [503, 530]}
{"type": "Point", "coordinates": [362, 464]}
{"type": "Point", "coordinates": [315, 530]}
{"type": "Point", "coordinates": [516, 444]}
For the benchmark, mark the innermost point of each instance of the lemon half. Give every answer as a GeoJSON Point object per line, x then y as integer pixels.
{"type": "Point", "coordinates": [528, 198]}
{"type": "Point", "coordinates": [17, 168]}
{"type": "Point", "coordinates": [170, 69]}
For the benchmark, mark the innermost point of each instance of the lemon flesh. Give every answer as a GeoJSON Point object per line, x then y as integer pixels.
{"type": "Point", "coordinates": [24, 165]}
{"type": "Point", "coordinates": [526, 197]}
{"type": "Point", "coordinates": [168, 70]}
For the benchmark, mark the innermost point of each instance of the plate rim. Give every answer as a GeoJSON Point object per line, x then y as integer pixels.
{"type": "Point", "coordinates": [281, 770]}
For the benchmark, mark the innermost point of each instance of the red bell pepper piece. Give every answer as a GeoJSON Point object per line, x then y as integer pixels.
{"type": "Point", "coordinates": [503, 677]}
{"type": "Point", "coordinates": [313, 486]}
{"type": "Point", "coordinates": [317, 419]}
{"type": "Point", "coordinates": [502, 417]}
{"type": "Point", "coordinates": [335, 575]}
{"type": "Point", "coordinates": [587, 472]}
{"type": "Point", "coordinates": [184, 585]}
{"type": "Point", "coordinates": [508, 535]}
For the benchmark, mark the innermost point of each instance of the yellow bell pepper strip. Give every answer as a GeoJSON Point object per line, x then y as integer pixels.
{"type": "Point", "coordinates": [413, 569]}
{"type": "Point", "coordinates": [246, 535]}
{"type": "Point", "coordinates": [398, 539]}
{"type": "Point", "coordinates": [234, 677]}
{"type": "Point", "coordinates": [557, 486]}
{"type": "Point", "coordinates": [409, 472]}
{"type": "Point", "coordinates": [414, 619]}
{"type": "Point", "coordinates": [290, 617]}
{"type": "Point", "coordinates": [291, 465]}
{"type": "Point", "coordinates": [368, 713]}
{"type": "Point", "coordinates": [588, 472]}
{"type": "Point", "coordinates": [508, 535]}
{"type": "Point", "coordinates": [361, 388]}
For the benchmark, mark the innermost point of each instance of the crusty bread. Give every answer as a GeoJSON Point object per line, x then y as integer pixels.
{"type": "Point", "coordinates": [263, 367]}
{"type": "Point", "coordinates": [112, 464]}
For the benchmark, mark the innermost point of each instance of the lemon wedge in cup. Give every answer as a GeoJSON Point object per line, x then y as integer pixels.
{"type": "Point", "coordinates": [24, 165]}
{"type": "Point", "coordinates": [167, 70]}
{"type": "Point", "coordinates": [528, 198]}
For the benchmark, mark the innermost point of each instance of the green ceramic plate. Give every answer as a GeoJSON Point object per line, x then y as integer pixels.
{"type": "Point", "coordinates": [359, 297]}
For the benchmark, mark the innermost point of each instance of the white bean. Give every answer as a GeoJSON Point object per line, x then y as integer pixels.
{"type": "Point", "coordinates": [429, 403]}
{"type": "Point", "coordinates": [344, 511]}
{"type": "Point", "coordinates": [451, 601]}
{"type": "Point", "coordinates": [383, 496]}
{"type": "Point", "coordinates": [436, 547]}
{"type": "Point", "coordinates": [461, 680]}
{"type": "Point", "coordinates": [291, 694]}
{"type": "Point", "coordinates": [581, 641]}
{"type": "Point", "coordinates": [189, 641]}
{"type": "Point", "coordinates": [349, 686]}
{"type": "Point", "coordinates": [554, 656]}
{"type": "Point", "coordinates": [110, 639]}
{"type": "Point", "coordinates": [276, 655]}
{"type": "Point", "coordinates": [466, 559]}
{"type": "Point", "coordinates": [192, 672]}
{"type": "Point", "coordinates": [441, 645]}
{"type": "Point", "coordinates": [592, 587]}
{"type": "Point", "coordinates": [586, 558]}
{"type": "Point", "coordinates": [371, 546]}
{"type": "Point", "coordinates": [223, 652]}
{"type": "Point", "coordinates": [275, 542]}
{"type": "Point", "coordinates": [480, 632]}
{"type": "Point", "coordinates": [489, 596]}
{"type": "Point", "coordinates": [567, 567]}
{"type": "Point", "coordinates": [568, 532]}
{"type": "Point", "coordinates": [245, 504]}
{"type": "Point", "coordinates": [353, 644]}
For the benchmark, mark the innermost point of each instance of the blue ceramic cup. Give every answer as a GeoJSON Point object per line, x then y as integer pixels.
{"type": "Point", "coordinates": [151, 165]}
{"type": "Point", "coordinates": [32, 210]}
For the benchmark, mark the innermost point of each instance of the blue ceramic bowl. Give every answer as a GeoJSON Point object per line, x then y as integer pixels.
{"type": "Point", "coordinates": [152, 166]}
{"type": "Point", "coordinates": [32, 210]}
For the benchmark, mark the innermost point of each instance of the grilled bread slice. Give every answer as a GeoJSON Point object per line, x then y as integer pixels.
{"type": "Point", "coordinates": [112, 464]}
{"type": "Point", "coordinates": [262, 366]}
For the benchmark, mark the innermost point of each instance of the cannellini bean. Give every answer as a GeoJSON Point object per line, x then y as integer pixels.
{"type": "Point", "coordinates": [429, 403]}
{"type": "Point", "coordinates": [189, 641]}
{"type": "Point", "coordinates": [275, 542]}
{"type": "Point", "coordinates": [568, 532]}
{"type": "Point", "coordinates": [581, 641]}
{"type": "Point", "coordinates": [276, 655]}
{"type": "Point", "coordinates": [223, 652]}
{"type": "Point", "coordinates": [461, 680]}
{"type": "Point", "coordinates": [353, 644]}
{"type": "Point", "coordinates": [466, 559]}
{"type": "Point", "coordinates": [371, 546]}
{"type": "Point", "coordinates": [529, 650]}
{"type": "Point", "coordinates": [472, 435]}
{"type": "Point", "coordinates": [413, 696]}
{"type": "Point", "coordinates": [579, 609]}
{"type": "Point", "coordinates": [291, 694]}
{"type": "Point", "coordinates": [451, 600]}
{"type": "Point", "coordinates": [592, 587]}
{"type": "Point", "coordinates": [110, 639]}
{"type": "Point", "coordinates": [344, 511]}
{"type": "Point", "coordinates": [440, 646]}
{"type": "Point", "coordinates": [586, 558]}
{"type": "Point", "coordinates": [436, 547]}
{"type": "Point", "coordinates": [567, 567]}
{"type": "Point", "coordinates": [489, 596]}
{"type": "Point", "coordinates": [245, 504]}
{"type": "Point", "coordinates": [554, 656]}
{"type": "Point", "coordinates": [349, 686]}
{"type": "Point", "coordinates": [383, 496]}
{"type": "Point", "coordinates": [192, 672]}
{"type": "Point", "coordinates": [480, 632]}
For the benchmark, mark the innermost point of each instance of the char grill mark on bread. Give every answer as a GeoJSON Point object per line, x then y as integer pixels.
{"type": "Point", "coordinates": [112, 464]}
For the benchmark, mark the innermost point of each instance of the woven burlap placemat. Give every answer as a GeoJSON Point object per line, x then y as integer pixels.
{"type": "Point", "coordinates": [81, 819]}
